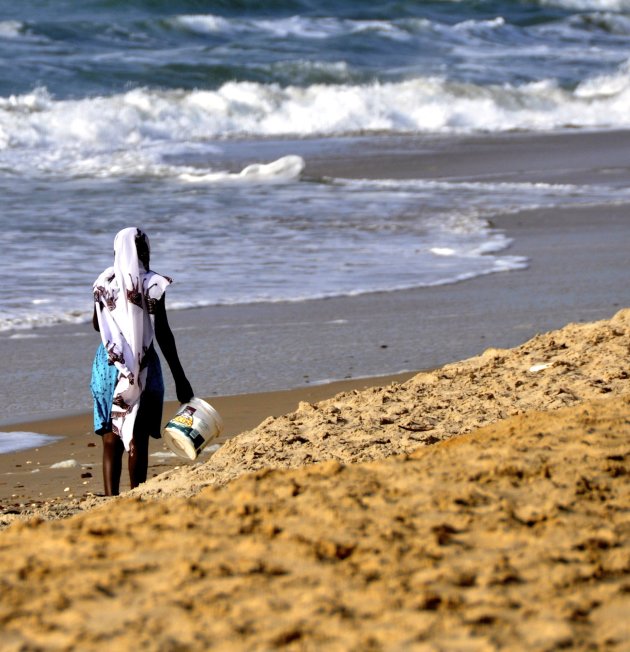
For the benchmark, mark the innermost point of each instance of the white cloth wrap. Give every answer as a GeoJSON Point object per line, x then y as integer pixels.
{"type": "Point", "coordinates": [125, 296]}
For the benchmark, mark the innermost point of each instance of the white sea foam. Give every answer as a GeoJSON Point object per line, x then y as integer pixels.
{"type": "Point", "coordinates": [132, 133]}
{"type": "Point", "coordinates": [386, 29]}
{"type": "Point", "coordinates": [202, 23]}
{"type": "Point", "coordinates": [293, 26]}
{"type": "Point", "coordinates": [615, 87]}
{"type": "Point", "coordinates": [10, 29]}
{"type": "Point", "coordinates": [402, 30]}
{"type": "Point", "coordinates": [589, 5]}
{"type": "Point", "coordinates": [28, 319]}
{"type": "Point", "coordinates": [315, 28]}
{"type": "Point", "coordinates": [475, 25]}
{"type": "Point", "coordinates": [300, 240]}
{"type": "Point", "coordinates": [11, 442]}
{"type": "Point", "coordinates": [287, 168]}
{"type": "Point", "coordinates": [303, 27]}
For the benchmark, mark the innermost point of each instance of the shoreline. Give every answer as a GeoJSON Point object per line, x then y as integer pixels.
{"type": "Point", "coordinates": [577, 257]}
{"type": "Point", "coordinates": [576, 272]}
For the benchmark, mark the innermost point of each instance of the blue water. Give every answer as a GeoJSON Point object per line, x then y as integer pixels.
{"type": "Point", "coordinates": [103, 47]}
{"type": "Point", "coordinates": [119, 112]}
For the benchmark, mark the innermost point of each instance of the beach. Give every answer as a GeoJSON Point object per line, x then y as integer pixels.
{"type": "Point", "coordinates": [576, 271]}
{"type": "Point", "coordinates": [246, 356]}
{"type": "Point", "coordinates": [30, 483]}
{"type": "Point", "coordinates": [398, 235]}
{"type": "Point", "coordinates": [508, 537]}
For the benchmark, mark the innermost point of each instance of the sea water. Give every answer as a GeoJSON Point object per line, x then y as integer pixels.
{"type": "Point", "coordinates": [118, 112]}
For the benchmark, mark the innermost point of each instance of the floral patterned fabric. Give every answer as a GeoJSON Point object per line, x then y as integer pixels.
{"type": "Point", "coordinates": [103, 384]}
{"type": "Point", "coordinates": [125, 297]}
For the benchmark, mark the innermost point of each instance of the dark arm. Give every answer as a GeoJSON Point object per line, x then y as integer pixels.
{"type": "Point", "coordinates": [166, 340]}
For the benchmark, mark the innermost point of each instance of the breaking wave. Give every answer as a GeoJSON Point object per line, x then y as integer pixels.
{"type": "Point", "coordinates": [131, 133]}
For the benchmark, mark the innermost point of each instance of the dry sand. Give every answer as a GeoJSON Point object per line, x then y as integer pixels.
{"type": "Point", "coordinates": [406, 536]}
{"type": "Point", "coordinates": [553, 370]}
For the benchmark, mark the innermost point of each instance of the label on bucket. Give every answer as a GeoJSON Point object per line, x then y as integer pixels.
{"type": "Point", "coordinates": [184, 421]}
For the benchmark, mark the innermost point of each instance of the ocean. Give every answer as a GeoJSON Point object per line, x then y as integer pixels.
{"type": "Point", "coordinates": [160, 114]}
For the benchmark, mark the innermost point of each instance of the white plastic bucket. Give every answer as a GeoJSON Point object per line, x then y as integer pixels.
{"type": "Point", "coordinates": [194, 426]}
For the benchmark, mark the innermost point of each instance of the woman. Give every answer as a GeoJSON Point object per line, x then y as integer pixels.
{"type": "Point", "coordinates": [127, 385]}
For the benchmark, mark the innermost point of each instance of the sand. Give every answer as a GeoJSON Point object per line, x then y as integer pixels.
{"type": "Point", "coordinates": [381, 518]}
{"type": "Point", "coordinates": [30, 479]}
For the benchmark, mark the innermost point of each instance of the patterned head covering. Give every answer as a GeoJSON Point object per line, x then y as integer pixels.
{"type": "Point", "coordinates": [125, 297]}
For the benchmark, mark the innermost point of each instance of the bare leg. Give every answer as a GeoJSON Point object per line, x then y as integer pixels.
{"type": "Point", "coordinates": [112, 463]}
{"type": "Point", "coordinates": [138, 456]}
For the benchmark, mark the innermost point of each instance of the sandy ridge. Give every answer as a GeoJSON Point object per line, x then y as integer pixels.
{"type": "Point", "coordinates": [515, 537]}
{"type": "Point", "coordinates": [581, 362]}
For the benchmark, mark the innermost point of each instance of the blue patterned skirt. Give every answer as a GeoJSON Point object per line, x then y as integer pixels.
{"type": "Point", "coordinates": [103, 383]}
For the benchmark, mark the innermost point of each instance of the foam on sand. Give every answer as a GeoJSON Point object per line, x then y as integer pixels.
{"type": "Point", "coordinates": [287, 168]}
{"type": "Point", "coordinates": [11, 442]}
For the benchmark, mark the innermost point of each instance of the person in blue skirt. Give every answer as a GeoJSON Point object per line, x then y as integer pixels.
{"type": "Point", "coordinates": [127, 384]}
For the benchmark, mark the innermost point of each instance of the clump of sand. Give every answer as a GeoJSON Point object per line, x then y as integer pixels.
{"type": "Point", "coordinates": [550, 371]}
{"type": "Point", "coordinates": [514, 537]}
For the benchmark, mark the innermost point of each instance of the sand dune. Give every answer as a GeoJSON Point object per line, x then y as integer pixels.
{"type": "Point", "coordinates": [515, 536]}
{"type": "Point", "coordinates": [550, 371]}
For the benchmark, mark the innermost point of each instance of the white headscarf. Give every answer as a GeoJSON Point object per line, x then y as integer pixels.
{"type": "Point", "coordinates": [125, 296]}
